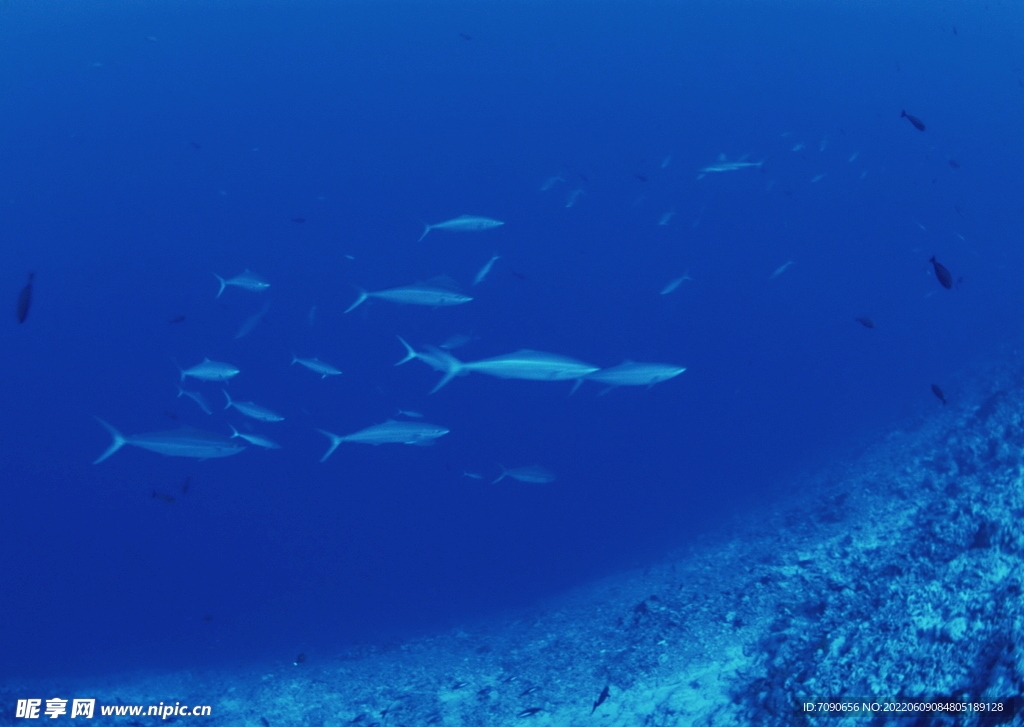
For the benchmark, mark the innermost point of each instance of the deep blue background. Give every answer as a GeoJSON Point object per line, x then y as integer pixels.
{"type": "Point", "coordinates": [368, 120]}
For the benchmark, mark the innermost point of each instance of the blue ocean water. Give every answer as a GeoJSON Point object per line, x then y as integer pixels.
{"type": "Point", "coordinates": [145, 147]}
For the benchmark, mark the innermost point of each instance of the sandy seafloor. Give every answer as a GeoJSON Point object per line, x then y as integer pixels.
{"type": "Point", "coordinates": [893, 576]}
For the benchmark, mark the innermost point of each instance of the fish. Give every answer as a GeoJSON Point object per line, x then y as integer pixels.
{"type": "Point", "coordinates": [938, 392]}
{"type": "Point", "coordinates": [522, 364]}
{"type": "Point", "coordinates": [666, 161]}
{"type": "Point", "coordinates": [550, 182]}
{"type": "Point", "coordinates": [183, 442]}
{"type": "Point", "coordinates": [177, 319]}
{"type": "Point", "coordinates": [818, 177]}
{"type": "Point", "coordinates": [726, 166]}
{"type": "Point", "coordinates": [631, 373]}
{"type": "Point", "coordinates": [464, 36]}
{"type": "Point", "coordinates": [390, 432]}
{"type": "Point", "coordinates": [781, 269]}
{"type": "Point", "coordinates": [667, 217]}
{"type": "Point", "coordinates": [207, 370]}
{"type": "Point", "coordinates": [530, 712]}
{"type": "Point", "coordinates": [252, 410]}
{"type": "Point", "coordinates": [472, 475]}
{"type": "Point", "coordinates": [198, 398]}
{"type": "Point", "coordinates": [485, 269]}
{"type": "Point", "coordinates": [416, 294]}
{"type": "Point", "coordinates": [410, 414]}
{"type": "Point", "coordinates": [534, 473]}
{"type": "Point", "coordinates": [942, 273]}
{"type": "Point", "coordinates": [463, 223]}
{"type": "Point", "coordinates": [673, 284]}
{"type": "Point", "coordinates": [317, 366]}
{"type": "Point", "coordinates": [25, 299]}
{"type": "Point", "coordinates": [252, 321]}
{"type": "Point", "coordinates": [247, 280]}
{"type": "Point", "coordinates": [866, 322]}
{"type": "Point", "coordinates": [574, 195]}
{"type": "Point", "coordinates": [853, 157]}
{"type": "Point", "coordinates": [605, 693]}
{"type": "Point", "coordinates": [918, 124]}
{"type": "Point", "coordinates": [254, 439]}
{"type": "Point", "coordinates": [163, 497]}
{"type": "Point", "coordinates": [954, 163]}
{"type": "Point", "coordinates": [170, 415]}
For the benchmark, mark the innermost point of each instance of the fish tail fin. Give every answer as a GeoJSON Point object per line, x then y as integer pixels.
{"type": "Point", "coordinates": [179, 368]}
{"type": "Point", "coordinates": [410, 352]}
{"type": "Point", "coordinates": [576, 385]}
{"type": "Point", "coordinates": [335, 441]}
{"type": "Point", "coordinates": [234, 432]}
{"type": "Point", "coordinates": [502, 475]}
{"type": "Point", "coordinates": [295, 359]}
{"type": "Point", "coordinates": [363, 295]}
{"type": "Point", "coordinates": [181, 393]}
{"type": "Point", "coordinates": [223, 284]}
{"type": "Point", "coordinates": [426, 229]}
{"type": "Point", "coordinates": [451, 366]}
{"type": "Point", "coordinates": [119, 441]}
{"type": "Point", "coordinates": [228, 397]}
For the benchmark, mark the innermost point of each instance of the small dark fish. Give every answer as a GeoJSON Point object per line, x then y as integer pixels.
{"type": "Point", "coordinates": [954, 31]}
{"type": "Point", "coordinates": [944, 276]}
{"type": "Point", "coordinates": [300, 659]}
{"type": "Point", "coordinates": [186, 485]}
{"type": "Point", "coordinates": [25, 299]}
{"type": "Point", "coordinates": [519, 275]}
{"type": "Point", "coordinates": [918, 124]}
{"type": "Point", "coordinates": [163, 497]}
{"type": "Point", "coordinates": [177, 319]}
{"type": "Point", "coordinates": [207, 617]}
{"type": "Point", "coordinates": [529, 712]}
{"type": "Point", "coordinates": [866, 322]}
{"type": "Point", "coordinates": [298, 220]}
{"type": "Point", "coordinates": [465, 37]}
{"type": "Point", "coordinates": [641, 177]}
{"type": "Point", "coordinates": [170, 415]}
{"type": "Point", "coordinates": [938, 392]}
{"type": "Point", "coordinates": [459, 685]}
{"type": "Point", "coordinates": [530, 690]}
{"type": "Point", "coordinates": [954, 163]}
{"type": "Point", "coordinates": [194, 145]}
{"type": "Point", "coordinates": [600, 699]}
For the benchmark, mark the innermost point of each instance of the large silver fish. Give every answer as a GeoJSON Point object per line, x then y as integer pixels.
{"type": "Point", "coordinates": [417, 294]}
{"type": "Point", "coordinates": [254, 439]}
{"type": "Point", "coordinates": [631, 373]}
{"type": "Point", "coordinates": [390, 432]}
{"type": "Point", "coordinates": [183, 442]}
{"type": "Point", "coordinates": [522, 364]}
{"type": "Point", "coordinates": [464, 223]}
{"type": "Point", "coordinates": [246, 281]}
{"type": "Point", "coordinates": [207, 370]}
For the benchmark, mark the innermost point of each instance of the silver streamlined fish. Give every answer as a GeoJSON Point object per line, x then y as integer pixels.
{"type": "Point", "coordinates": [631, 373]}
{"type": "Point", "coordinates": [435, 292]}
{"type": "Point", "coordinates": [463, 223]}
{"type": "Point", "coordinates": [726, 166]}
{"type": "Point", "coordinates": [390, 432]}
{"type": "Point", "coordinates": [254, 439]}
{"type": "Point", "coordinates": [207, 370]}
{"type": "Point", "coordinates": [316, 366]}
{"type": "Point", "coordinates": [522, 364]}
{"type": "Point", "coordinates": [197, 398]}
{"type": "Point", "coordinates": [533, 473]}
{"type": "Point", "coordinates": [183, 442]}
{"type": "Point", "coordinates": [247, 280]}
{"type": "Point", "coordinates": [253, 410]}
